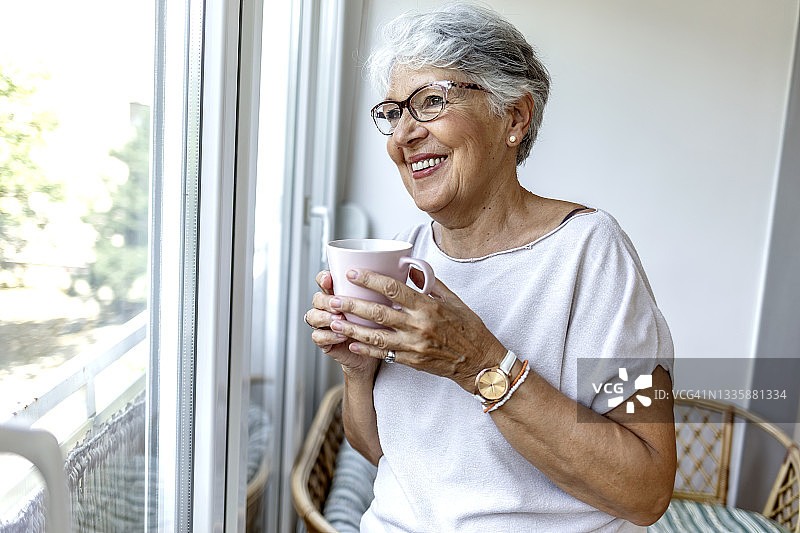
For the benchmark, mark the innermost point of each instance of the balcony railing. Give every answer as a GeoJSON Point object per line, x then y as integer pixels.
{"type": "Point", "coordinates": [81, 372]}
{"type": "Point", "coordinates": [78, 376]}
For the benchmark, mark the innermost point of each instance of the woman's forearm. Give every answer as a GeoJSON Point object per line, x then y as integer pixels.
{"type": "Point", "coordinates": [358, 416]}
{"type": "Point", "coordinates": [625, 470]}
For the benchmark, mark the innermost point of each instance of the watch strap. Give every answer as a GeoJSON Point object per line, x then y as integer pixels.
{"type": "Point", "coordinates": [508, 362]}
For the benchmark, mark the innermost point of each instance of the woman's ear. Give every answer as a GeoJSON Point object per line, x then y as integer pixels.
{"type": "Point", "coordinates": [521, 115]}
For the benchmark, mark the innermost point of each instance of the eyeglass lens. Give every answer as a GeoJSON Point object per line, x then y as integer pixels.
{"type": "Point", "coordinates": [425, 105]}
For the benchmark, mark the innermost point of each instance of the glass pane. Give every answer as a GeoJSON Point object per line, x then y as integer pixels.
{"type": "Point", "coordinates": [76, 91]}
{"type": "Point", "coordinates": [267, 363]}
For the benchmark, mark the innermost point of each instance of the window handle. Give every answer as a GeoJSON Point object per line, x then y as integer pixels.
{"type": "Point", "coordinates": [323, 213]}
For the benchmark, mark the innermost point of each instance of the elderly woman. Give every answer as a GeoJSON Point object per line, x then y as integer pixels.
{"type": "Point", "coordinates": [469, 400]}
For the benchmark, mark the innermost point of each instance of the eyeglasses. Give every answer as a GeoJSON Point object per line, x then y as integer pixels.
{"type": "Point", "coordinates": [424, 104]}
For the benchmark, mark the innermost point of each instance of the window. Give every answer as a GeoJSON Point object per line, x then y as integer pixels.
{"type": "Point", "coordinates": [152, 236]}
{"type": "Point", "coordinates": [99, 178]}
{"type": "Point", "coordinates": [76, 95]}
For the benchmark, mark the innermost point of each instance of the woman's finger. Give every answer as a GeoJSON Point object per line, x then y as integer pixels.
{"type": "Point", "coordinates": [376, 353]}
{"type": "Point", "coordinates": [318, 318]}
{"type": "Point", "coordinates": [325, 281]}
{"type": "Point", "coordinates": [391, 288]}
{"type": "Point", "coordinates": [399, 292]}
{"type": "Point", "coordinates": [375, 312]}
{"type": "Point", "coordinates": [379, 338]}
{"type": "Point", "coordinates": [322, 301]}
{"type": "Point", "coordinates": [326, 337]}
{"type": "Point", "coordinates": [440, 291]}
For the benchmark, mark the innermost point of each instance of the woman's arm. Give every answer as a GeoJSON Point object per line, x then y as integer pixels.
{"type": "Point", "coordinates": [358, 416]}
{"type": "Point", "coordinates": [623, 464]}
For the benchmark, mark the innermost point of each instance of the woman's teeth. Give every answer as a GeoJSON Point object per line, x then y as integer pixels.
{"type": "Point", "coordinates": [425, 163]}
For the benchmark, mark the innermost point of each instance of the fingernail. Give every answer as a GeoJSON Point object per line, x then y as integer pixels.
{"type": "Point", "coordinates": [352, 274]}
{"type": "Point", "coordinates": [353, 348]}
{"type": "Point", "coordinates": [336, 325]}
{"type": "Point", "coordinates": [341, 337]}
{"type": "Point", "coordinates": [336, 303]}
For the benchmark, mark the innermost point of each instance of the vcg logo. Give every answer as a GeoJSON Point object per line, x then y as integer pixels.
{"type": "Point", "coordinates": [644, 381]}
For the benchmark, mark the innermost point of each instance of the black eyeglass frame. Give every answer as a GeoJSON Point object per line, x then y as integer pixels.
{"type": "Point", "coordinates": [446, 85]}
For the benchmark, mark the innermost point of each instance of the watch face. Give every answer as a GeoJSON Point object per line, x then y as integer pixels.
{"type": "Point", "coordinates": [492, 384]}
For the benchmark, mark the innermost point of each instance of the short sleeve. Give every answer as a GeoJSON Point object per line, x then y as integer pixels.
{"type": "Point", "coordinates": [616, 336]}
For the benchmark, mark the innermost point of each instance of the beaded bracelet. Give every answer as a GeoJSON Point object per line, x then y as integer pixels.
{"type": "Point", "coordinates": [514, 386]}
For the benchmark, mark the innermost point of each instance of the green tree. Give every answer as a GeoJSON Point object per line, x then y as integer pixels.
{"type": "Point", "coordinates": [21, 131]}
{"type": "Point", "coordinates": [121, 246]}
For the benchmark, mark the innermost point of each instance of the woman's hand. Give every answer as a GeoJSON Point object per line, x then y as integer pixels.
{"type": "Point", "coordinates": [438, 334]}
{"type": "Point", "coordinates": [320, 317]}
{"type": "Point", "coordinates": [358, 410]}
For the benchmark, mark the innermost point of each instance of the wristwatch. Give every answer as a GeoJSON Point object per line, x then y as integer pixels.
{"type": "Point", "coordinates": [493, 383]}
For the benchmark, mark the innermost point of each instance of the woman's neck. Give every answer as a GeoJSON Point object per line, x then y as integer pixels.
{"type": "Point", "coordinates": [501, 221]}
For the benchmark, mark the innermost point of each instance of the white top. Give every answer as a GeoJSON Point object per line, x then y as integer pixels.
{"type": "Point", "coordinates": [578, 291]}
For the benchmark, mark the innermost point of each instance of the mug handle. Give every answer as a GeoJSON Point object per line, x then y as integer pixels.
{"type": "Point", "coordinates": [426, 269]}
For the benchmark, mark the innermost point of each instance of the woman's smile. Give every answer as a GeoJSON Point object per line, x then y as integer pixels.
{"type": "Point", "coordinates": [423, 165]}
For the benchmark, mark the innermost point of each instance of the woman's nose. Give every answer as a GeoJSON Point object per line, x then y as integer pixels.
{"type": "Point", "coordinates": [408, 130]}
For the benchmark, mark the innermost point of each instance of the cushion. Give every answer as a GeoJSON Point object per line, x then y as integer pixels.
{"type": "Point", "coordinates": [685, 515]}
{"type": "Point", "coordinates": [351, 490]}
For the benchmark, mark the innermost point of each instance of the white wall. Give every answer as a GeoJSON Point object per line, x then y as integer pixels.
{"type": "Point", "coordinates": [669, 114]}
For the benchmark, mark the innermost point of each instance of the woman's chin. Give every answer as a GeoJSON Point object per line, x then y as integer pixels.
{"type": "Point", "coordinates": [430, 200]}
{"type": "Point", "coordinates": [429, 205]}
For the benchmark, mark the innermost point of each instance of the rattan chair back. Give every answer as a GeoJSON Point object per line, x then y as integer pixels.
{"type": "Point", "coordinates": [703, 434]}
{"type": "Point", "coordinates": [783, 504]}
{"type": "Point", "coordinates": [703, 438]}
{"type": "Point", "coordinates": [313, 471]}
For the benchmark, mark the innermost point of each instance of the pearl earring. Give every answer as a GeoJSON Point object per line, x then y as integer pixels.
{"type": "Point", "coordinates": [512, 139]}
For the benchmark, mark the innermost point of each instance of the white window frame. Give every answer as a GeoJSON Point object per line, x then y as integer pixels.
{"type": "Point", "coordinates": [232, 32]}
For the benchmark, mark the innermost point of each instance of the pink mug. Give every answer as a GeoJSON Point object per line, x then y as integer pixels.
{"type": "Point", "coordinates": [387, 257]}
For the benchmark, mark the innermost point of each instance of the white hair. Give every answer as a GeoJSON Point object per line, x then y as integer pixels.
{"type": "Point", "coordinates": [472, 39]}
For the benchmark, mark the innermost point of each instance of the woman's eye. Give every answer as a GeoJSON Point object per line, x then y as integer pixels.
{"type": "Point", "coordinates": [433, 101]}
{"type": "Point", "coordinates": [392, 114]}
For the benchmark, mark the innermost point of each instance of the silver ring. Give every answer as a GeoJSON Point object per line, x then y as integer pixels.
{"type": "Point", "coordinates": [390, 357]}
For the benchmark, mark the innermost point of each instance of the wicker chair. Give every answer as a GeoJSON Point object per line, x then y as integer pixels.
{"type": "Point", "coordinates": [313, 471]}
{"type": "Point", "coordinates": [704, 432]}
